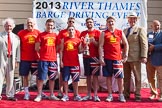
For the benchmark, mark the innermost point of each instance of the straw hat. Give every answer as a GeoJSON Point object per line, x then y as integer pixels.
{"type": "Point", "coordinates": [133, 15]}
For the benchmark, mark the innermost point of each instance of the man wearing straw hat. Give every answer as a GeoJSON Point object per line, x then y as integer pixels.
{"type": "Point", "coordinates": [138, 47]}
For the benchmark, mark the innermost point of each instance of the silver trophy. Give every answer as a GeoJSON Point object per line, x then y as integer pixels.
{"type": "Point", "coordinates": [87, 41]}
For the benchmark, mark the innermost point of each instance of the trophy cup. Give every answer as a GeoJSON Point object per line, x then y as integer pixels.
{"type": "Point", "coordinates": [87, 41]}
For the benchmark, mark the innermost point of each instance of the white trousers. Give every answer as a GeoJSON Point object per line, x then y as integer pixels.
{"type": "Point", "coordinates": [8, 73]}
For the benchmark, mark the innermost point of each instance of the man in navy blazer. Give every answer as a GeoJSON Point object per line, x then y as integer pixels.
{"type": "Point", "coordinates": [155, 51]}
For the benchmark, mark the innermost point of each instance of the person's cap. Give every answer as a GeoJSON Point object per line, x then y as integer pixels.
{"type": "Point", "coordinates": [111, 17]}
{"type": "Point", "coordinates": [133, 15]}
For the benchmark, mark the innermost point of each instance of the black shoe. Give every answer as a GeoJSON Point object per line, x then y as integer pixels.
{"type": "Point", "coordinates": [60, 95]}
{"type": "Point", "coordinates": [12, 99]}
{"type": "Point", "coordinates": [127, 97]}
{"type": "Point", "coordinates": [138, 99]}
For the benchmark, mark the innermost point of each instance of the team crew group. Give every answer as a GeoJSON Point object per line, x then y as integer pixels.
{"type": "Point", "coordinates": [120, 53]}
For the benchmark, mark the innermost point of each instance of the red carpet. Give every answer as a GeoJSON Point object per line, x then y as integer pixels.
{"type": "Point", "coordinates": [146, 103]}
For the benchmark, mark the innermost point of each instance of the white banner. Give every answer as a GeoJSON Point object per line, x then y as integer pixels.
{"type": "Point", "coordinates": [99, 10]}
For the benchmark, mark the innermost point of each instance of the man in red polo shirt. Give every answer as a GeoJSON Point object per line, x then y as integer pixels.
{"type": "Point", "coordinates": [29, 56]}
{"type": "Point", "coordinates": [69, 62]}
{"type": "Point", "coordinates": [62, 34]}
{"type": "Point", "coordinates": [91, 61]}
{"type": "Point", "coordinates": [47, 65]}
{"type": "Point", "coordinates": [111, 56]}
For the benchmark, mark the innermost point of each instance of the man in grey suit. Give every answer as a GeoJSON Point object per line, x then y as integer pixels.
{"type": "Point", "coordinates": [9, 57]}
{"type": "Point", "coordinates": [138, 47]}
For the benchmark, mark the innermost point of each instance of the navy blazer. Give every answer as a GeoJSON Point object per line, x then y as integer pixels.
{"type": "Point", "coordinates": [156, 54]}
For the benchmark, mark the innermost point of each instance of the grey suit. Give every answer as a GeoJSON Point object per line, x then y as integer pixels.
{"type": "Point", "coordinates": [138, 47]}
{"type": "Point", "coordinates": [7, 65]}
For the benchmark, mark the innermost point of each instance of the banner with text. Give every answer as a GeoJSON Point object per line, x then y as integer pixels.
{"type": "Point", "coordinates": [99, 10]}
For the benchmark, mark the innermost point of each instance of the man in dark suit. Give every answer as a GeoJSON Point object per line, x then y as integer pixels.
{"type": "Point", "coordinates": [138, 47]}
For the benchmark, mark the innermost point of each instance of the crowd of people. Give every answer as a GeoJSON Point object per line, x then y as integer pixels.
{"type": "Point", "coordinates": [119, 53]}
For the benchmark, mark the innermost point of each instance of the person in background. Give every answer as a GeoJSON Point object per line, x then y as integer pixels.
{"type": "Point", "coordinates": [62, 34]}
{"type": "Point", "coordinates": [112, 57]}
{"type": "Point", "coordinates": [47, 65]}
{"type": "Point", "coordinates": [9, 57]}
{"type": "Point", "coordinates": [155, 63]}
{"type": "Point", "coordinates": [138, 47]}
{"type": "Point", "coordinates": [91, 60]}
{"type": "Point", "coordinates": [69, 62]}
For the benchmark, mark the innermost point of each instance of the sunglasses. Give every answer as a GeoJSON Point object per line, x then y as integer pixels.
{"type": "Point", "coordinates": [71, 21]}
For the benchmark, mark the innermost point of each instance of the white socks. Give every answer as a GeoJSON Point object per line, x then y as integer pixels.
{"type": "Point", "coordinates": [26, 90]}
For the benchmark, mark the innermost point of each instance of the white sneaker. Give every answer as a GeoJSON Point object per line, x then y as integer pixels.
{"type": "Point", "coordinates": [109, 98]}
{"type": "Point", "coordinates": [44, 96]}
{"type": "Point", "coordinates": [26, 96]}
{"type": "Point", "coordinates": [65, 98]}
{"type": "Point", "coordinates": [96, 99]}
{"type": "Point", "coordinates": [122, 98]}
{"type": "Point", "coordinates": [77, 98]}
{"type": "Point", "coordinates": [38, 98]}
{"type": "Point", "coordinates": [87, 98]}
{"type": "Point", "coordinates": [53, 97]}
{"type": "Point", "coordinates": [160, 99]}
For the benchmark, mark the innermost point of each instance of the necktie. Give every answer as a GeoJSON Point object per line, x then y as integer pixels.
{"type": "Point", "coordinates": [128, 32]}
{"type": "Point", "coordinates": [9, 45]}
{"type": "Point", "coordinates": [155, 33]}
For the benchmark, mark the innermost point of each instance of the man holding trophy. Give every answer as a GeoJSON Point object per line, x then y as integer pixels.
{"type": "Point", "coordinates": [90, 40]}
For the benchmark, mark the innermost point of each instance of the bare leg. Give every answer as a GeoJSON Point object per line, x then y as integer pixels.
{"type": "Point", "coordinates": [65, 83]}
{"type": "Point", "coordinates": [109, 85]}
{"type": "Point", "coordinates": [40, 86]}
{"type": "Point", "coordinates": [95, 85]}
{"type": "Point", "coordinates": [51, 86]}
{"type": "Point", "coordinates": [75, 87]}
{"type": "Point", "coordinates": [25, 80]}
{"type": "Point", "coordinates": [121, 88]}
{"type": "Point", "coordinates": [120, 85]}
{"type": "Point", "coordinates": [109, 89]}
{"type": "Point", "coordinates": [60, 84]}
{"type": "Point", "coordinates": [89, 85]}
{"type": "Point", "coordinates": [25, 83]}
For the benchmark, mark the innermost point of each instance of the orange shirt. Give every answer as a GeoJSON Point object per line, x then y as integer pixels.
{"type": "Point", "coordinates": [28, 39]}
{"type": "Point", "coordinates": [47, 46]}
{"type": "Point", "coordinates": [112, 48]}
{"type": "Point", "coordinates": [70, 52]}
